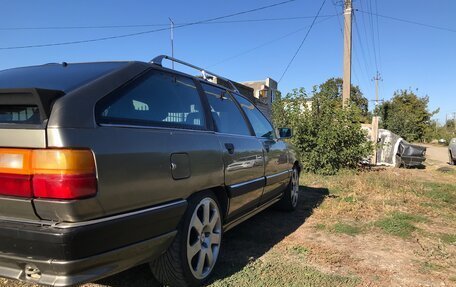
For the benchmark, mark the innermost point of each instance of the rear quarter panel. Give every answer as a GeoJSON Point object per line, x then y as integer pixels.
{"type": "Point", "coordinates": [134, 167]}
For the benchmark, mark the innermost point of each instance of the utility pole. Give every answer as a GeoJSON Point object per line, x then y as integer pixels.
{"type": "Point", "coordinates": [375, 119]}
{"type": "Point", "coordinates": [347, 52]}
{"type": "Point", "coordinates": [376, 79]}
{"type": "Point", "coordinates": [172, 40]}
{"type": "Point", "coordinates": [454, 120]}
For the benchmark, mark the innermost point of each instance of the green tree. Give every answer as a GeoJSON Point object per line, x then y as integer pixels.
{"type": "Point", "coordinates": [450, 124]}
{"type": "Point", "coordinates": [407, 115]}
{"type": "Point", "coordinates": [327, 136]}
{"type": "Point", "coordinates": [438, 131]}
{"type": "Point", "coordinates": [332, 90]}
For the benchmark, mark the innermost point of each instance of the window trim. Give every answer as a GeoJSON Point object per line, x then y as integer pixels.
{"type": "Point", "coordinates": [266, 118]}
{"type": "Point", "coordinates": [246, 120]}
{"type": "Point", "coordinates": [117, 93]}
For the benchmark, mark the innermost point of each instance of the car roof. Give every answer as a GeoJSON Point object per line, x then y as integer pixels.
{"type": "Point", "coordinates": [63, 77]}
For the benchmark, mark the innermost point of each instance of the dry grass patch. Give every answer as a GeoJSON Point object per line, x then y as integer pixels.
{"type": "Point", "coordinates": [417, 207]}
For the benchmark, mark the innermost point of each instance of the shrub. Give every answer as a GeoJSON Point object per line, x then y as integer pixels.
{"type": "Point", "coordinates": [327, 136]}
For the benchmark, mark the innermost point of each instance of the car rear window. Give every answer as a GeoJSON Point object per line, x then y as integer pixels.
{"type": "Point", "coordinates": [156, 99]}
{"type": "Point", "coordinates": [19, 114]}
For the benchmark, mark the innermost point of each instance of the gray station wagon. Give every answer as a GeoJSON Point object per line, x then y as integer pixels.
{"type": "Point", "coordinates": [104, 166]}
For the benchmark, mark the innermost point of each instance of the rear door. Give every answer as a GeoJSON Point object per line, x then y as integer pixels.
{"type": "Point", "coordinates": [277, 166]}
{"type": "Point", "coordinates": [242, 152]}
{"type": "Point", "coordinates": [153, 145]}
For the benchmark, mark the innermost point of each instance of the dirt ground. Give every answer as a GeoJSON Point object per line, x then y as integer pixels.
{"type": "Point", "coordinates": [437, 154]}
{"type": "Point", "coordinates": [379, 227]}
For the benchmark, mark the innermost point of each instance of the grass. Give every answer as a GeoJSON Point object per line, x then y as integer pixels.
{"type": "Point", "coordinates": [448, 238]}
{"type": "Point", "coordinates": [440, 192]}
{"type": "Point", "coordinates": [350, 199]}
{"type": "Point", "coordinates": [447, 169]}
{"type": "Point", "coordinates": [399, 224]}
{"type": "Point", "coordinates": [285, 269]}
{"type": "Point", "coordinates": [346, 229]}
{"type": "Point", "coordinates": [427, 267]}
{"type": "Point", "coordinates": [299, 250]}
{"type": "Point", "coordinates": [320, 226]}
{"type": "Point", "coordinates": [393, 206]}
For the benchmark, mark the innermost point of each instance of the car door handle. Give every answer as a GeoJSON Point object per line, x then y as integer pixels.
{"type": "Point", "coordinates": [229, 147]}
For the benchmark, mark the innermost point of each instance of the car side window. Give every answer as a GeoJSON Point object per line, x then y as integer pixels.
{"type": "Point", "coordinates": [157, 98]}
{"type": "Point", "coordinates": [260, 124]}
{"type": "Point", "coordinates": [227, 116]}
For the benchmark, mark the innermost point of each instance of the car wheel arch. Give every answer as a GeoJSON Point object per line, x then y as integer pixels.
{"type": "Point", "coordinates": [222, 197]}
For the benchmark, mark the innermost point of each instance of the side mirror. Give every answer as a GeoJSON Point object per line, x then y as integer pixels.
{"type": "Point", "coordinates": [285, 133]}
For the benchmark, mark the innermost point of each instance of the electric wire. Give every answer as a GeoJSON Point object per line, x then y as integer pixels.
{"type": "Point", "coordinates": [267, 43]}
{"type": "Point", "coordinates": [372, 34]}
{"type": "Point", "coordinates": [378, 36]}
{"type": "Point", "coordinates": [361, 47]}
{"type": "Point", "coordinates": [302, 42]}
{"type": "Point", "coordinates": [149, 31]}
{"type": "Point", "coordinates": [338, 19]}
{"type": "Point", "coordinates": [366, 36]}
{"type": "Point", "coordinates": [410, 22]}
{"type": "Point", "coordinates": [158, 25]}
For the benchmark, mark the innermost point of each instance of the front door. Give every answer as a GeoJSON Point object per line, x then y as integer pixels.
{"type": "Point", "coordinates": [242, 152]}
{"type": "Point", "coordinates": [277, 166]}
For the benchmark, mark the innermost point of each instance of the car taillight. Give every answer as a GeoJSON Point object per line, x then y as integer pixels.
{"type": "Point", "coordinates": [15, 172]}
{"type": "Point", "coordinates": [47, 173]}
{"type": "Point", "coordinates": [63, 174]}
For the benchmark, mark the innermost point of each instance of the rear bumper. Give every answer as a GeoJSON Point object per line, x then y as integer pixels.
{"type": "Point", "coordinates": [412, 160]}
{"type": "Point", "coordinates": [67, 254]}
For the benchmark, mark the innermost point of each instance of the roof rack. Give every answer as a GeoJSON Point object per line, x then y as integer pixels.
{"type": "Point", "coordinates": [205, 73]}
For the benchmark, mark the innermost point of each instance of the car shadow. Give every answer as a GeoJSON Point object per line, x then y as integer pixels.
{"type": "Point", "coordinates": [242, 245]}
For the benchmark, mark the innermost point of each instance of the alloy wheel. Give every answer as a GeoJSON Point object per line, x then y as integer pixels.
{"type": "Point", "coordinates": [294, 187]}
{"type": "Point", "coordinates": [204, 238]}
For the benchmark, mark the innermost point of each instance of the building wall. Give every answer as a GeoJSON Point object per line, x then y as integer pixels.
{"type": "Point", "coordinates": [264, 93]}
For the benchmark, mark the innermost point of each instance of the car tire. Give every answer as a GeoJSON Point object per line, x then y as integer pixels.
{"type": "Point", "coordinates": [192, 256]}
{"type": "Point", "coordinates": [398, 161]}
{"type": "Point", "coordinates": [289, 201]}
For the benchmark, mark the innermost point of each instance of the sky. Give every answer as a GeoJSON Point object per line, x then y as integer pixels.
{"type": "Point", "coordinates": [408, 56]}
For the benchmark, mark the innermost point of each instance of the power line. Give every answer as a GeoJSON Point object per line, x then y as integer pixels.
{"type": "Point", "coordinates": [82, 27]}
{"type": "Point", "coordinates": [363, 54]}
{"type": "Point", "coordinates": [372, 34]}
{"type": "Point", "coordinates": [368, 43]}
{"type": "Point", "coordinates": [338, 20]}
{"type": "Point", "coordinates": [268, 42]}
{"type": "Point", "coordinates": [158, 25]}
{"type": "Point", "coordinates": [149, 31]}
{"type": "Point", "coordinates": [302, 42]}
{"type": "Point", "coordinates": [378, 36]}
{"type": "Point", "coordinates": [410, 22]}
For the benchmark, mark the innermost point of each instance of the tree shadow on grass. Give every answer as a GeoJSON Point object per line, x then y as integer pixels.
{"type": "Point", "coordinates": [242, 245]}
